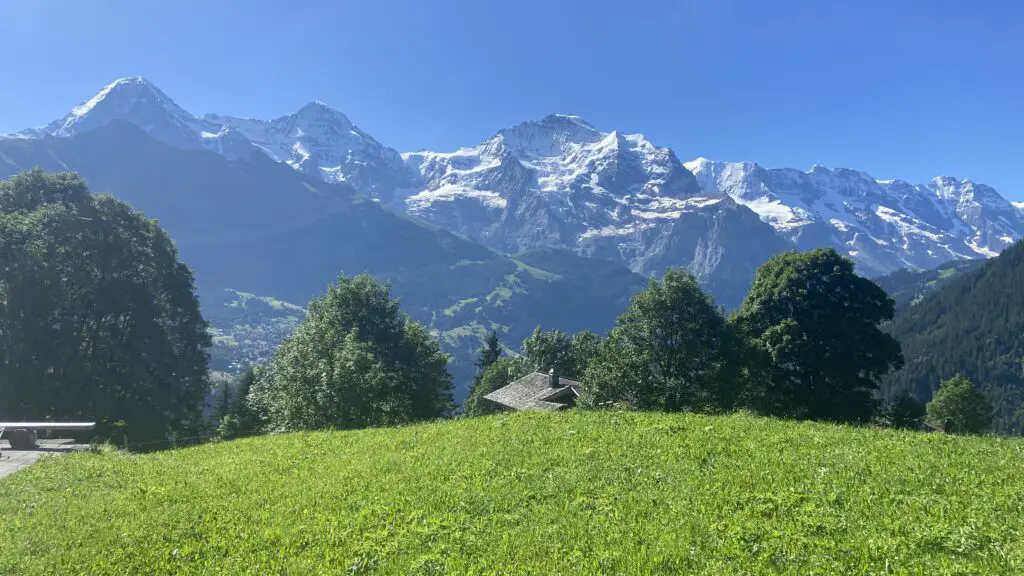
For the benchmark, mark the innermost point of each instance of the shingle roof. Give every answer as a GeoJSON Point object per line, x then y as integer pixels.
{"type": "Point", "coordinates": [534, 392]}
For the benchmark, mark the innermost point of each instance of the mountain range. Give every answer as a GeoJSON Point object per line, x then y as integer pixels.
{"type": "Point", "coordinates": [279, 207]}
{"type": "Point", "coordinates": [560, 182]}
{"type": "Point", "coordinates": [255, 226]}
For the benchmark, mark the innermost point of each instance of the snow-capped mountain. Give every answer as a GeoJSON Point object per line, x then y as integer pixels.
{"type": "Point", "coordinates": [584, 182]}
{"type": "Point", "coordinates": [138, 101]}
{"type": "Point", "coordinates": [883, 225]}
{"type": "Point", "coordinates": [560, 182]}
{"type": "Point", "coordinates": [316, 139]}
{"type": "Point", "coordinates": [321, 141]}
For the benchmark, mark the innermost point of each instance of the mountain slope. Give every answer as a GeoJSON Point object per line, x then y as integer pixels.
{"type": "Point", "coordinates": [973, 325]}
{"type": "Point", "coordinates": [883, 225]}
{"type": "Point", "coordinates": [908, 287]}
{"type": "Point", "coordinates": [198, 196]}
{"type": "Point", "coordinates": [257, 226]}
{"type": "Point", "coordinates": [560, 182]}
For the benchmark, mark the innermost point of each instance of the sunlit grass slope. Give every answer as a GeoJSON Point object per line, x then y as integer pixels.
{"type": "Point", "coordinates": [570, 493]}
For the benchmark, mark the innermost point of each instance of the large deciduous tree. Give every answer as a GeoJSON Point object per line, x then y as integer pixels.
{"type": "Point", "coordinates": [958, 406]}
{"type": "Point", "coordinates": [98, 318]}
{"type": "Point", "coordinates": [356, 360]}
{"type": "Point", "coordinates": [666, 352]}
{"type": "Point", "coordinates": [567, 355]}
{"type": "Point", "coordinates": [815, 325]}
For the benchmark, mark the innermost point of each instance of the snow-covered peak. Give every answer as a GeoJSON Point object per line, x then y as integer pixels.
{"type": "Point", "coordinates": [555, 134]}
{"type": "Point", "coordinates": [557, 181]}
{"type": "Point", "coordinates": [316, 139]}
{"type": "Point", "coordinates": [122, 92]}
{"type": "Point", "coordinates": [558, 155]}
{"type": "Point", "coordinates": [882, 224]}
{"type": "Point", "coordinates": [123, 99]}
{"type": "Point", "coordinates": [142, 103]}
{"type": "Point", "coordinates": [317, 111]}
{"type": "Point", "coordinates": [323, 142]}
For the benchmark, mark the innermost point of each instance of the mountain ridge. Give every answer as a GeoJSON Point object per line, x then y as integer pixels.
{"type": "Point", "coordinates": [561, 182]}
{"type": "Point", "coordinates": [260, 227]}
{"type": "Point", "coordinates": [884, 225]}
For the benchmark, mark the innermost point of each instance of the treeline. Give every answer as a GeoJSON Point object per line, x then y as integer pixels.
{"type": "Point", "coordinates": [99, 321]}
{"type": "Point", "coordinates": [804, 344]}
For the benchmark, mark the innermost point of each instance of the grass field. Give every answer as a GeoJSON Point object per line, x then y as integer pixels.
{"type": "Point", "coordinates": [571, 493]}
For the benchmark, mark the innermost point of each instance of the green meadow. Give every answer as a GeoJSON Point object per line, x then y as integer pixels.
{"type": "Point", "coordinates": [563, 493]}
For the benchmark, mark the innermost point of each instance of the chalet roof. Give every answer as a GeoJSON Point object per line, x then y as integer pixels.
{"type": "Point", "coordinates": [534, 392]}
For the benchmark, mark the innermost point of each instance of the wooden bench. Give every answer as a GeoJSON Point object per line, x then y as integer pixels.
{"type": "Point", "coordinates": [23, 435]}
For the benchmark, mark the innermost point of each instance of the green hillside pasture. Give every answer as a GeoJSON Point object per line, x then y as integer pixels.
{"type": "Point", "coordinates": [568, 493]}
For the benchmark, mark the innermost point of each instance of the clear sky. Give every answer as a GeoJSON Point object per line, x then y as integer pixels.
{"type": "Point", "coordinates": [898, 88]}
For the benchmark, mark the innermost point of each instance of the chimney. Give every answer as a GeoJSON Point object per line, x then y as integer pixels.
{"type": "Point", "coordinates": [553, 378]}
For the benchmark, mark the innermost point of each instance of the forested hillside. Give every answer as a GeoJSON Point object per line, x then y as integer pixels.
{"type": "Point", "coordinates": [973, 325]}
{"type": "Point", "coordinates": [908, 287]}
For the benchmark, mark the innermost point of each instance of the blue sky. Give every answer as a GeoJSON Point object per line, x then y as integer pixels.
{"type": "Point", "coordinates": [900, 89]}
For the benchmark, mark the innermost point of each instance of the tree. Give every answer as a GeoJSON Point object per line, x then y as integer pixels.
{"type": "Point", "coordinates": [490, 352]}
{"type": "Point", "coordinates": [224, 402]}
{"type": "Point", "coordinates": [958, 406]}
{"type": "Point", "coordinates": [99, 321]}
{"type": "Point", "coordinates": [355, 361]}
{"type": "Point", "coordinates": [568, 355]}
{"type": "Point", "coordinates": [970, 323]}
{"type": "Point", "coordinates": [666, 351]}
{"type": "Point", "coordinates": [498, 375]}
{"type": "Point", "coordinates": [814, 326]}
{"type": "Point", "coordinates": [233, 414]}
{"type": "Point", "coordinates": [905, 411]}
{"type": "Point", "coordinates": [246, 417]}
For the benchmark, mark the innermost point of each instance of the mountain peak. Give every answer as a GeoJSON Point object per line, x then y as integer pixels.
{"type": "Point", "coordinates": [565, 120]}
{"type": "Point", "coordinates": [548, 136]}
{"type": "Point", "coordinates": [321, 111]}
{"type": "Point", "coordinates": [133, 98]}
{"type": "Point", "coordinates": [133, 86]}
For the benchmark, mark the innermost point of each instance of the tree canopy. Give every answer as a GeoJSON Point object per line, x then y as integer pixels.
{"type": "Point", "coordinates": [666, 351]}
{"type": "Point", "coordinates": [905, 411]}
{"type": "Point", "coordinates": [487, 380]}
{"type": "Point", "coordinates": [960, 407]}
{"type": "Point", "coordinates": [98, 318]}
{"type": "Point", "coordinates": [355, 361]}
{"type": "Point", "coordinates": [815, 325]}
{"type": "Point", "coordinates": [555, 349]}
{"type": "Point", "coordinates": [499, 374]}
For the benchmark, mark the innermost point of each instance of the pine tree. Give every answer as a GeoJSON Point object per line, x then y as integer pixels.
{"type": "Point", "coordinates": [489, 353]}
{"type": "Point", "coordinates": [224, 402]}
